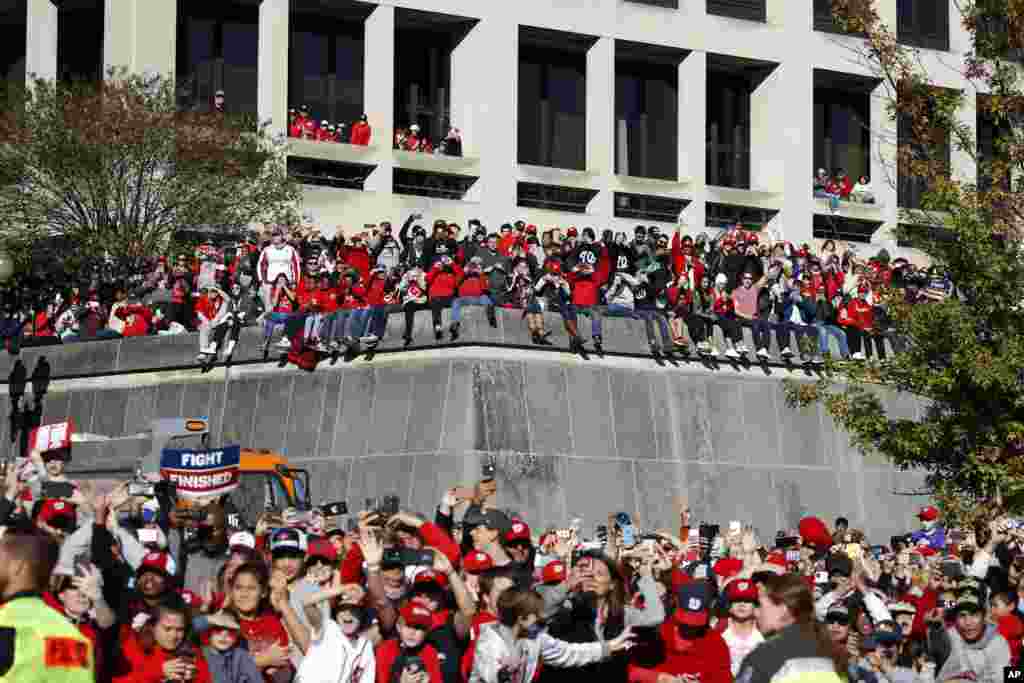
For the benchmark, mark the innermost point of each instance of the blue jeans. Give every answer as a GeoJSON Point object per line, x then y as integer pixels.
{"type": "Point", "coordinates": [572, 311]}
{"type": "Point", "coordinates": [649, 316]}
{"type": "Point", "coordinates": [459, 302]}
{"type": "Point", "coordinates": [826, 331]}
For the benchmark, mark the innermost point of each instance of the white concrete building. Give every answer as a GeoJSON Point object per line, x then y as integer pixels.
{"type": "Point", "coordinates": [589, 96]}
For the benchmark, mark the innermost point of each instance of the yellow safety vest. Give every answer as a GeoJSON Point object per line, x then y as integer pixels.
{"type": "Point", "coordinates": [38, 645]}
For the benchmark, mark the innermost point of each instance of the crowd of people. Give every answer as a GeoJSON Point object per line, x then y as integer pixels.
{"type": "Point", "coordinates": [840, 187]}
{"type": "Point", "coordinates": [332, 296]}
{"type": "Point", "coordinates": [130, 586]}
{"type": "Point", "coordinates": [304, 126]}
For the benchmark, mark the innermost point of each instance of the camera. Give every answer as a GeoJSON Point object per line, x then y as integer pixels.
{"type": "Point", "coordinates": [625, 524]}
{"type": "Point", "coordinates": [408, 557]}
{"type": "Point", "coordinates": [334, 509]}
{"type": "Point", "coordinates": [488, 470]}
{"type": "Point", "coordinates": [58, 489]}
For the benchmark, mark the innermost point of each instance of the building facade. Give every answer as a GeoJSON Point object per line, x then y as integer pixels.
{"type": "Point", "coordinates": [608, 113]}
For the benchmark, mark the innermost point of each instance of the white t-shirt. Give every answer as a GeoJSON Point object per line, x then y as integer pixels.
{"type": "Point", "coordinates": [333, 658]}
{"type": "Point", "coordinates": [740, 647]}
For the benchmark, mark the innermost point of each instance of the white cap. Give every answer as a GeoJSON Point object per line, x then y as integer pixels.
{"type": "Point", "coordinates": [414, 127]}
{"type": "Point", "coordinates": [242, 539]}
{"type": "Point", "coordinates": [721, 279]}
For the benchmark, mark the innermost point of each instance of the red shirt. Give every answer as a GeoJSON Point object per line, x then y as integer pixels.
{"type": "Point", "coordinates": [473, 284]}
{"type": "Point", "coordinates": [1012, 628]}
{"type": "Point", "coordinates": [262, 632]}
{"type": "Point", "coordinates": [441, 283]}
{"type": "Point", "coordinates": [585, 289]}
{"type": "Point", "coordinates": [147, 666]}
{"type": "Point", "coordinates": [360, 134]}
{"type": "Point", "coordinates": [389, 651]}
{"type": "Point", "coordinates": [359, 258]}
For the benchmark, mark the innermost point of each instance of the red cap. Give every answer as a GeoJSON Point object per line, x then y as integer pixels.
{"type": "Point", "coordinates": [321, 547]}
{"type": "Point", "coordinates": [553, 572]}
{"type": "Point", "coordinates": [728, 567]}
{"type": "Point", "coordinates": [814, 531]}
{"type": "Point", "coordinates": [777, 558]}
{"type": "Point", "coordinates": [927, 550]}
{"type": "Point", "coordinates": [477, 562]}
{"type": "Point", "coordinates": [928, 514]}
{"type": "Point", "coordinates": [52, 508]}
{"type": "Point", "coordinates": [157, 562]}
{"type": "Point", "coordinates": [518, 532]}
{"type": "Point", "coordinates": [430, 576]}
{"type": "Point", "coordinates": [531, 229]}
{"type": "Point", "coordinates": [417, 616]}
{"type": "Point", "coordinates": [741, 590]}
{"type": "Point", "coordinates": [191, 599]}
{"type": "Point", "coordinates": [571, 232]}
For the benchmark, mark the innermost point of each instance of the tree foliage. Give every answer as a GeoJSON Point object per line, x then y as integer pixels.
{"type": "Point", "coordinates": [116, 168]}
{"type": "Point", "coordinates": [965, 355]}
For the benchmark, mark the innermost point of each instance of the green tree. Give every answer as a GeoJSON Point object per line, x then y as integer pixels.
{"type": "Point", "coordinates": [964, 355]}
{"type": "Point", "coordinates": [115, 168]}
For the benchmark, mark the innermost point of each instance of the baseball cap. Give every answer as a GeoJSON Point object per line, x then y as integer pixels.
{"type": "Point", "coordinates": [728, 567]}
{"type": "Point", "coordinates": [242, 539]}
{"type": "Point", "coordinates": [693, 605]}
{"type": "Point", "coordinates": [887, 632]}
{"type": "Point", "coordinates": [902, 608]}
{"type": "Point", "coordinates": [290, 541]}
{"type": "Point", "coordinates": [969, 601]}
{"type": "Point", "coordinates": [429, 577]}
{"type": "Point", "coordinates": [814, 531]}
{"type": "Point", "coordinates": [321, 547]}
{"type": "Point", "coordinates": [477, 562]}
{"type": "Point", "coordinates": [741, 590]}
{"type": "Point", "coordinates": [490, 518]}
{"type": "Point", "coordinates": [416, 615]}
{"type": "Point", "coordinates": [928, 514]}
{"type": "Point", "coordinates": [518, 532]}
{"type": "Point", "coordinates": [553, 572]}
{"type": "Point", "coordinates": [54, 509]}
{"type": "Point", "coordinates": [223, 619]}
{"type": "Point", "coordinates": [159, 562]}
{"type": "Point", "coordinates": [838, 610]}
{"type": "Point", "coordinates": [191, 598]}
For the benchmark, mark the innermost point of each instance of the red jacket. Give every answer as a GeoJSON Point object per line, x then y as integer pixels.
{"type": "Point", "coordinates": [141, 666]}
{"type": "Point", "coordinates": [585, 289]}
{"type": "Point", "coordinates": [680, 260]}
{"type": "Point", "coordinates": [388, 651]}
{"type": "Point", "coordinates": [360, 134]}
{"type": "Point", "coordinates": [324, 300]}
{"type": "Point", "coordinates": [136, 320]}
{"type": "Point", "coordinates": [707, 658]}
{"type": "Point", "coordinates": [375, 290]}
{"type": "Point", "coordinates": [441, 283]}
{"type": "Point", "coordinates": [723, 304]}
{"type": "Point", "coordinates": [1012, 628]}
{"type": "Point", "coordinates": [352, 297]}
{"type": "Point", "coordinates": [358, 258]}
{"type": "Point", "coordinates": [859, 314]}
{"type": "Point", "coordinates": [473, 284]}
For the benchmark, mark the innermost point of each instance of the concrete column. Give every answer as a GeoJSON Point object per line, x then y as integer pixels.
{"type": "Point", "coordinates": [962, 164]}
{"type": "Point", "coordinates": [41, 40]}
{"type": "Point", "coordinates": [888, 13]}
{"type": "Point", "coordinates": [378, 84]}
{"type": "Point", "coordinates": [272, 65]}
{"type": "Point", "coordinates": [601, 107]}
{"type": "Point", "coordinates": [883, 155]}
{"type": "Point", "coordinates": [140, 35]}
{"type": "Point", "coordinates": [693, 117]}
{"type": "Point", "coordinates": [496, 117]}
{"type": "Point", "coordinates": [466, 107]}
{"type": "Point", "coordinates": [795, 147]}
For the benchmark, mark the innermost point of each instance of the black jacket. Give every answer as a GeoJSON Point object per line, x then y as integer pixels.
{"type": "Point", "coordinates": [574, 623]}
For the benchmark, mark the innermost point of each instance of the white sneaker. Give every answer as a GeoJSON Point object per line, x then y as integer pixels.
{"type": "Point", "coordinates": [762, 353]}
{"type": "Point", "coordinates": [369, 339]}
{"type": "Point", "coordinates": [284, 343]}
{"type": "Point", "coordinates": [228, 349]}
{"type": "Point", "coordinates": [732, 353]}
{"type": "Point", "coordinates": [742, 348]}
{"type": "Point", "coordinates": [712, 351]}
{"type": "Point", "coordinates": [210, 350]}
{"type": "Point", "coordinates": [858, 356]}
{"type": "Point", "coordinates": [786, 352]}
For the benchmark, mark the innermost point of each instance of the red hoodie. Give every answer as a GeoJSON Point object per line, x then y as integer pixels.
{"type": "Point", "coordinates": [473, 284]}
{"type": "Point", "coordinates": [142, 666]}
{"type": "Point", "coordinates": [136, 320]}
{"type": "Point", "coordinates": [359, 258]}
{"type": "Point", "coordinates": [707, 658]}
{"type": "Point", "coordinates": [859, 314]}
{"type": "Point", "coordinates": [388, 651]}
{"type": "Point", "coordinates": [360, 134]}
{"type": "Point", "coordinates": [375, 290]}
{"type": "Point", "coordinates": [441, 283]}
{"type": "Point", "coordinates": [1012, 628]}
{"type": "Point", "coordinates": [585, 289]}
{"type": "Point", "coordinates": [680, 260]}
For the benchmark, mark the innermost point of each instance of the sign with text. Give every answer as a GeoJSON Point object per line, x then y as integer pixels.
{"type": "Point", "coordinates": [51, 437]}
{"type": "Point", "coordinates": [202, 473]}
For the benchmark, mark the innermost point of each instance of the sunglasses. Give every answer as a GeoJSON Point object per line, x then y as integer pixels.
{"type": "Point", "coordinates": [842, 621]}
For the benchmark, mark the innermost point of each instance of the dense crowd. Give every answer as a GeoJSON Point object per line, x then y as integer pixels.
{"type": "Point", "coordinates": [840, 187]}
{"type": "Point", "coordinates": [136, 587]}
{"type": "Point", "coordinates": [335, 295]}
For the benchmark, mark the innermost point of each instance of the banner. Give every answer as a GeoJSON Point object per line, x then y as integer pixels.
{"type": "Point", "coordinates": [51, 437]}
{"type": "Point", "coordinates": [202, 473]}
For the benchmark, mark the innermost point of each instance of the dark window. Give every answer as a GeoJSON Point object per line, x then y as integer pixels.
{"type": "Point", "coordinates": [923, 23]}
{"type": "Point", "coordinates": [218, 47]}
{"type": "Point", "coordinates": [434, 185]}
{"type": "Point", "coordinates": [554, 197]}
{"type": "Point", "coordinates": [991, 134]}
{"type": "Point", "coordinates": [842, 132]}
{"type": "Point", "coordinates": [726, 215]}
{"type": "Point", "coordinates": [912, 235]}
{"type": "Point", "coordinates": [553, 99]}
{"type": "Point", "coordinates": [670, 4]}
{"type": "Point", "coordinates": [646, 112]}
{"type": "Point", "coordinates": [326, 66]}
{"type": "Point", "coordinates": [12, 42]}
{"type": "Point", "coordinates": [911, 188]}
{"type": "Point", "coordinates": [424, 42]}
{"type": "Point", "coordinates": [80, 40]}
{"type": "Point", "coordinates": [828, 227]}
{"type": "Point", "coordinates": [823, 18]}
{"type": "Point", "coordinates": [751, 10]}
{"type": "Point", "coordinates": [648, 207]}
{"type": "Point", "coordinates": [329, 173]}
